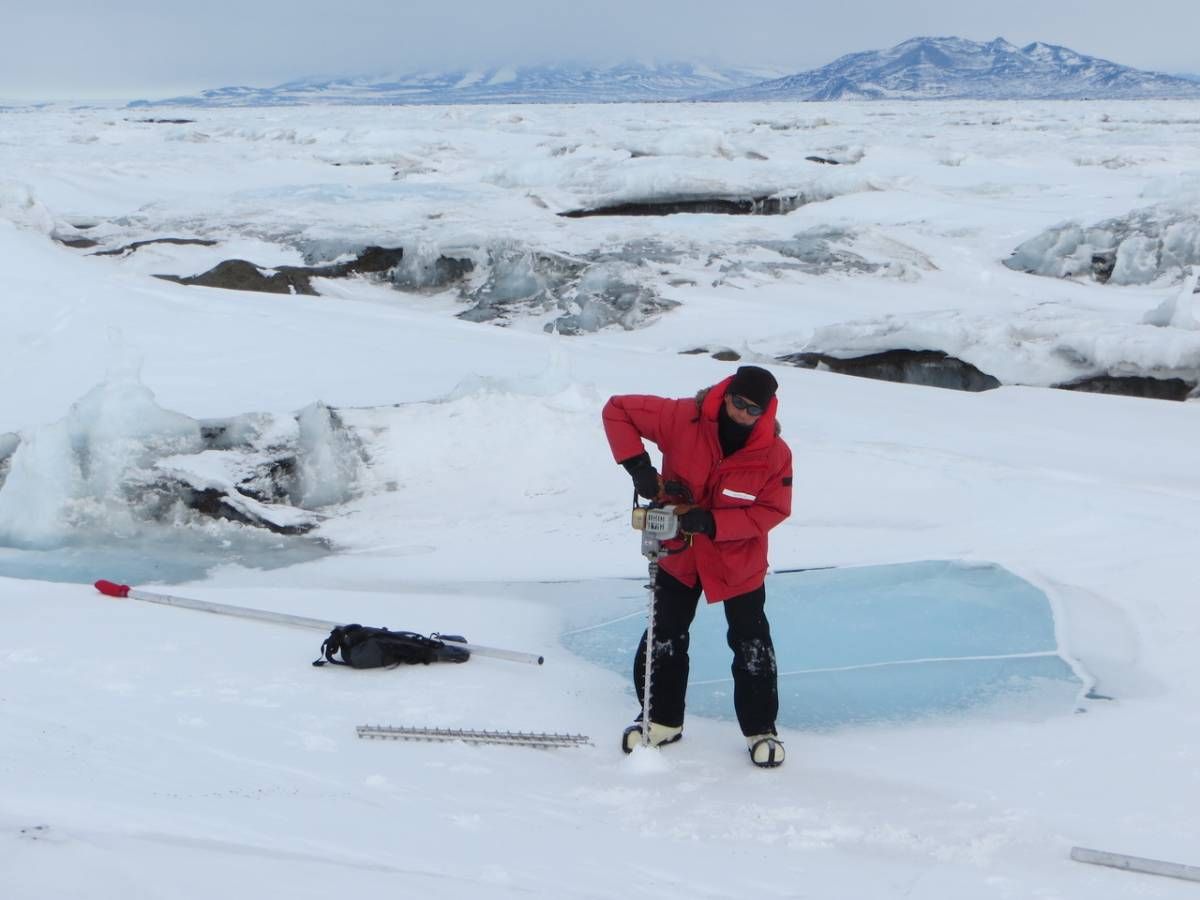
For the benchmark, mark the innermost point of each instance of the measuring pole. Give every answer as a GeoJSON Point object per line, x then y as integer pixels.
{"type": "Point", "coordinates": [110, 589]}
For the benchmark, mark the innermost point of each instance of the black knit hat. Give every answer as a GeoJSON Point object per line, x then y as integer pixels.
{"type": "Point", "coordinates": [755, 384]}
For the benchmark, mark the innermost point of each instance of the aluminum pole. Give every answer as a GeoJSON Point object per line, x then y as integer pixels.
{"type": "Point", "coordinates": [110, 589]}
{"type": "Point", "coordinates": [1135, 864]}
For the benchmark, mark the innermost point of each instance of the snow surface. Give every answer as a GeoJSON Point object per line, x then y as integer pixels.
{"type": "Point", "coordinates": [156, 752]}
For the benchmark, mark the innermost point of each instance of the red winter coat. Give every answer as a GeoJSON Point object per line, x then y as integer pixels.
{"type": "Point", "coordinates": [748, 492]}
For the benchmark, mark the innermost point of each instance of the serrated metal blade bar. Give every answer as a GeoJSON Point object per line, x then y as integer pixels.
{"type": "Point", "coordinates": [513, 738]}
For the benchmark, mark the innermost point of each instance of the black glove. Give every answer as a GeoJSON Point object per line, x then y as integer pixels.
{"type": "Point", "coordinates": [645, 477]}
{"type": "Point", "coordinates": [698, 521]}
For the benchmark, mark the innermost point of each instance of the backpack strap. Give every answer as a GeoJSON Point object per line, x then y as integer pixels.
{"type": "Point", "coordinates": [333, 644]}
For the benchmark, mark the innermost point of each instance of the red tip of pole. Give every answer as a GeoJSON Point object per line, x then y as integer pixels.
{"type": "Point", "coordinates": [112, 590]}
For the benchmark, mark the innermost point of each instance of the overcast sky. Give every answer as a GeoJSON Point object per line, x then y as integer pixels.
{"type": "Point", "coordinates": [138, 48]}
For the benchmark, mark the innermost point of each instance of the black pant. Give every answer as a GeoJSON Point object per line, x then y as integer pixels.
{"type": "Point", "coordinates": [755, 687]}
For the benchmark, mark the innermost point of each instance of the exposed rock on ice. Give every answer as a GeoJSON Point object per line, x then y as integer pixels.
{"type": "Point", "coordinates": [372, 260]}
{"type": "Point", "coordinates": [1134, 386]}
{"type": "Point", "coordinates": [931, 368]}
{"type": "Point", "coordinates": [77, 243]}
{"type": "Point", "coordinates": [240, 275]}
{"type": "Point", "coordinates": [724, 354]}
{"type": "Point", "coordinates": [1046, 346]}
{"type": "Point", "coordinates": [773, 205]}
{"type": "Point", "coordinates": [130, 248]}
{"type": "Point", "coordinates": [681, 183]}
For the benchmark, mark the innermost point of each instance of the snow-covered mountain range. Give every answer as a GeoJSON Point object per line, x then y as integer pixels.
{"type": "Point", "coordinates": [565, 83]}
{"type": "Point", "coordinates": [946, 68]}
{"type": "Point", "coordinates": [922, 68]}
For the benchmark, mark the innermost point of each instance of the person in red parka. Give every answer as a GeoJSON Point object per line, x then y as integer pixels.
{"type": "Point", "coordinates": [723, 453]}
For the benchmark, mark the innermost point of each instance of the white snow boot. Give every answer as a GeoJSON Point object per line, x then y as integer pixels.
{"type": "Point", "coordinates": [659, 735]}
{"type": "Point", "coordinates": [766, 750]}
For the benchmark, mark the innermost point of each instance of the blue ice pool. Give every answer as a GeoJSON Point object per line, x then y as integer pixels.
{"type": "Point", "coordinates": [158, 558]}
{"type": "Point", "coordinates": [873, 644]}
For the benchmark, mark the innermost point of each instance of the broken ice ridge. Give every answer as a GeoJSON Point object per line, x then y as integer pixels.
{"type": "Point", "coordinates": [1157, 243]}
{"type": "Point", "coordinates": [121, 478]}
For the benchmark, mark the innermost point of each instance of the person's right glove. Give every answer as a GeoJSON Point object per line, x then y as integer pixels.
{"type": "Point", "coordinates": [646, 480]}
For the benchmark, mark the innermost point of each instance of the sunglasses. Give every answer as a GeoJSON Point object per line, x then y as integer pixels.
{"type": "Point", "coordinates": [745, 405]}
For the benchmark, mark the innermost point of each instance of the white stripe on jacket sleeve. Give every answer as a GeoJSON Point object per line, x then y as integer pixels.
{"type": "Point", "coordinates": [738, 495]}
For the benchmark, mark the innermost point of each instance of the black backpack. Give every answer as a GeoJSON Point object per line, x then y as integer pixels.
{"type": "Point", "coordinates": [370, 648]}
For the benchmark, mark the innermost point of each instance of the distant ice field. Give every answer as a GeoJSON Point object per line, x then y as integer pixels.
{"type": "Point", "coordinates": [899, 218]}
